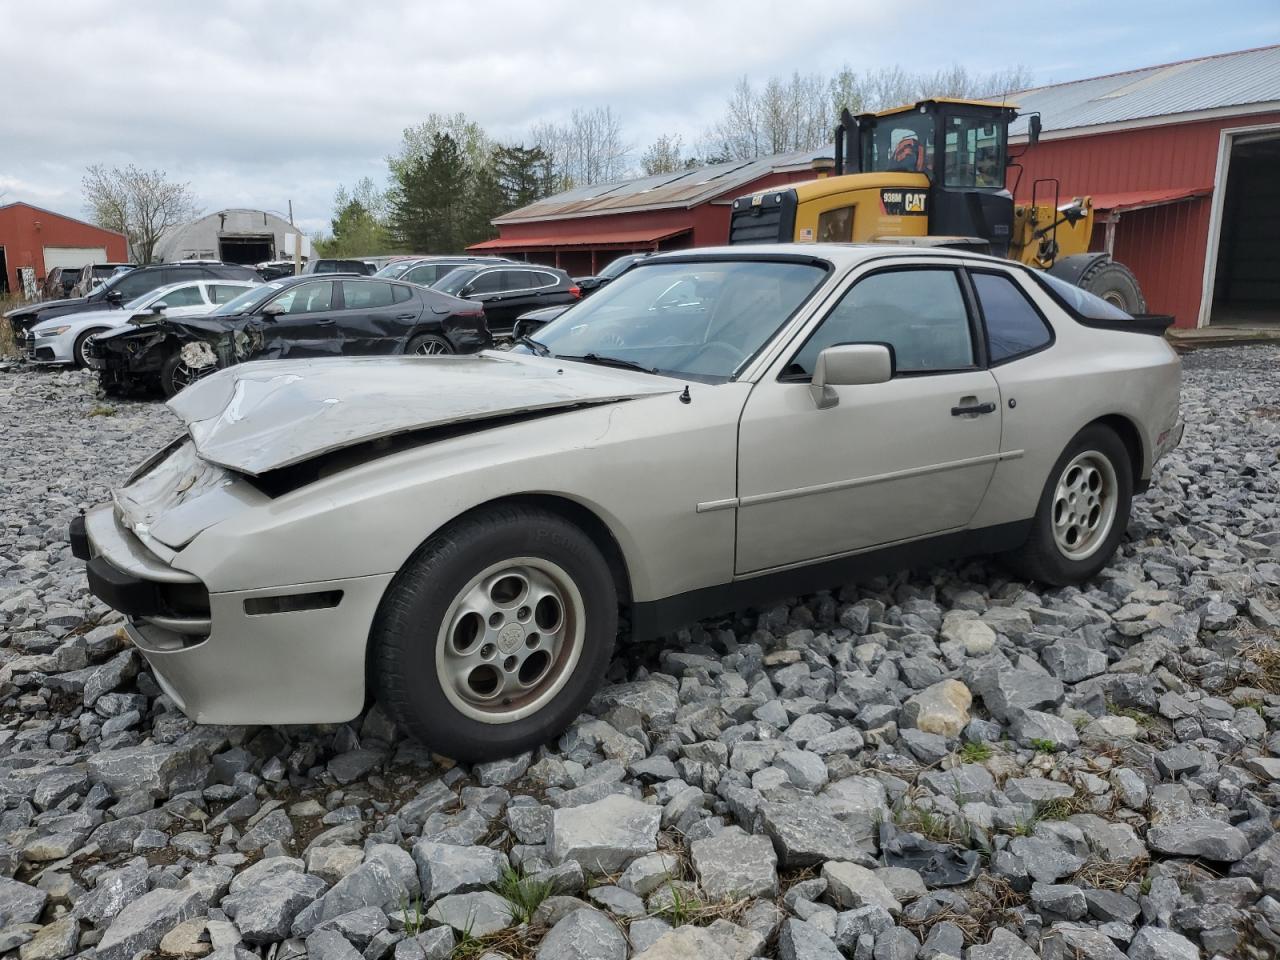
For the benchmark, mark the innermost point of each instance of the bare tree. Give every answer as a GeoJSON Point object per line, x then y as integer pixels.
{"type": "Point", "coordinates": [141, 204]}
{"type": "Point", "coordinates": [588, 149]}
{"type": "Point", "coordinates": [799, 113]}
{"type": "Point", "coordinates": [664, 155]}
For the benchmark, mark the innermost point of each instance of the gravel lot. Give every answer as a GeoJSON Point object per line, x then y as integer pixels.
{"type": "Point", "coordinates": [944, 765]}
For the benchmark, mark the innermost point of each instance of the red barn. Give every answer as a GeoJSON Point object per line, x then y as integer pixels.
{"type": "Point", "coordinates": [35, 239]}
{"type": "Point", "coordinates": [1182, 161]}
{"type": "Point", "coordinates": [581, 230]}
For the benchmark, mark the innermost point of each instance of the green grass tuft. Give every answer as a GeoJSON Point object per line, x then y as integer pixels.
{"type": "Point", "coordinates": [976, 752]}
{"type": "Point", "coordinates": [523, 894]}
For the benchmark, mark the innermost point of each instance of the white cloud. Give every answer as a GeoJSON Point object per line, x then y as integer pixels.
{"type": "Point", "coordinates": [257, 104]}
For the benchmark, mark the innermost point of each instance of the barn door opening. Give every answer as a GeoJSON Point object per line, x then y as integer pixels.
{"type": "Point", "coordinates": [1246, 280]}
{"type": "Point", "coordinates": [4, 274]}
{"type": "Point", "coordinates": [247, 249]}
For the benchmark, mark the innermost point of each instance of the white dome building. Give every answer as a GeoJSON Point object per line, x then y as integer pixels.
{"type": "Point", "coordinates": [234, 236]}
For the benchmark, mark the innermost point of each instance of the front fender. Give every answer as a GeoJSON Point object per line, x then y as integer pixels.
{"type": "Point", "coordinates": [640, 466]}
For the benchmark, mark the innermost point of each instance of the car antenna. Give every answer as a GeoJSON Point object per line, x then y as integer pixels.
{"type": "Point", "coordinates": [684, 397]}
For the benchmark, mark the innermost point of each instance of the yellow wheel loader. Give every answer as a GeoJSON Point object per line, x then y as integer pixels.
{"type": "Point", "coordinates": [934, 174]}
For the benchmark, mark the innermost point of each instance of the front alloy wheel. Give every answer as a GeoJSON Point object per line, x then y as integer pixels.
{"type": "Point", "coordinates": [510, 640]}
{"type": "Point", "coordinates": [495, 634]}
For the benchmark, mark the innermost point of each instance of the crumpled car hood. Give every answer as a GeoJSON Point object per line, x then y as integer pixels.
{"type": "Point", "coordinates": [265, 415]}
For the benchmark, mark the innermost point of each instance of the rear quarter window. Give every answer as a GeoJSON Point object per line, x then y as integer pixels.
{"type": "Point", "coordinates": [1014, 326]}
{"type": "Point", "coordinates": [1079, 302]}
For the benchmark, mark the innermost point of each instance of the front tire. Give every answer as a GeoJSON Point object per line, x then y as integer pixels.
{"type": "Point", "coordinates": [495, 634]}
{"type": "Point", "coordinates": [1083, 511]}
{"type": "Point", "coordinates": [175, 375]}
{"type": "Point", "coordinates": [77, 351]}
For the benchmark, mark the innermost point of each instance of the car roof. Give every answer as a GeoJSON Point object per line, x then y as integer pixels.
{"type": "Point", "coordinates": [840, 254]}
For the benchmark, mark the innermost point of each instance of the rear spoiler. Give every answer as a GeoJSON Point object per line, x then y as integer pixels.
{"type": "Point", "coordinates": [1154, 324]}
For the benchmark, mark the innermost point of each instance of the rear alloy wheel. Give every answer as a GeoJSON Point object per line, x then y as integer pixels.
{"type": "Point", "coordinates": [429, 345]}
{"type": "Point", "coordinates": [1083, 511]}
{"type": "Point", "coordinates": [495, 634]}
{"type": "Point", "coordinates": [175, 375]}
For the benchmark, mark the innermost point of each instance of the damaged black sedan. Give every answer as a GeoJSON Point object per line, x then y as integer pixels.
{"type": "Point", "coordinates": [288, 318]}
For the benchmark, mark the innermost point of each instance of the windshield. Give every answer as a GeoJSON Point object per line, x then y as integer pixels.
{"type": "Point", "coordinates": [901, 142]}
{"type": "Point", "coordinates": [453, 281]}
{"type": "Point", "coordinates": [703, 320]}
{"type": "Point", "coordinates": [248, 300]}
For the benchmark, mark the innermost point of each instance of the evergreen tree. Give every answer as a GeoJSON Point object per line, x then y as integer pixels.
{"type": "Point", "coordinates": [522, 173]}
{"type": "Point", "coordinates": [431, 199]}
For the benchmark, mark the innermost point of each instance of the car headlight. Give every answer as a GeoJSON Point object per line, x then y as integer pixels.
{"type": "Point", "coordinates": [53, 331]}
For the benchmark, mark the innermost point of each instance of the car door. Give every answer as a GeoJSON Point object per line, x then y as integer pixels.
{"type": "Point", "coordinates": [489, 289]}
{"type": "Point", "coordinates": [892, 461]}
{"type": "Point", "coordinates": [307, 324]}
{"type": "Point", "coordinates": [528, 290]}
{"type": "Point", "coordinates": [377, 316]}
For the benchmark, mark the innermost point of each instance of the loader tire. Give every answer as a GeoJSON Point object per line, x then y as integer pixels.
{"type": "Point", "coordinates": [1116, 284]}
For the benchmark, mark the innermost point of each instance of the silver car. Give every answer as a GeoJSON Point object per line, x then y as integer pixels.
{"type": "Point", "coordinates": [63, 339]}
{"type": "Point", "coordinates": [460, 533]}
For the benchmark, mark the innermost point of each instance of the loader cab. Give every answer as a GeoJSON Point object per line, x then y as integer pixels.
{"type": "Point", "coordinates": [960, 145]}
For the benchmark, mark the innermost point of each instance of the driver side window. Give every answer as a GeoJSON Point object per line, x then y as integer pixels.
{"type": "Point", "coordinates": [919, 312]}
{"type": "Point", "coordinates": [307, 298]}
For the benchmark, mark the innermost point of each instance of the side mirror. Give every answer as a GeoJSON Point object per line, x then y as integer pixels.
{"type": "Point", "coordinates": [114, 296]}
{"type": "Point", "coordinates": [1033, 129]}
{"type": "Point", "coordinates": [159, 307]}
{"type": "Point", "coordinates": [272, 310]}
{"type": "Point", "coordinates": [848, 365]}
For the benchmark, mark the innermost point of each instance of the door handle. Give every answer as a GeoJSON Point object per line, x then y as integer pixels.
{"type": "Point", "coordinates": [406, 316]}
{"type": "Point", "coordinates": [974, 409]}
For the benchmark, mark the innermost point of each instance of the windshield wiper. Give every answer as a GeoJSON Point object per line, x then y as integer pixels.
{"type": "Point", "coordinates": [607, 362]}
{"type": "Point", "coordinates": [541, 349]}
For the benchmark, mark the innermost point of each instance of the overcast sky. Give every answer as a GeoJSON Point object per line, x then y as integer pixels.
{"type": "Point", "coordinates": [256, 104]}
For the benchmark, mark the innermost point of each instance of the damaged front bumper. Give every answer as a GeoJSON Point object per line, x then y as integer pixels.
{"type": "Point", "coordinates": [286, 654]}
{"type": "Point", "coordinates": [1168, 440]}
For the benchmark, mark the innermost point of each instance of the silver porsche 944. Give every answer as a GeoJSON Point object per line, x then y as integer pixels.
{"type": "Point", "coordinates": [457, 536]}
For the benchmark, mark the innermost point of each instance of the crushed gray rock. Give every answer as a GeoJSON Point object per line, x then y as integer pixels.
{"type": "Point", "coordinates": [845, 772]}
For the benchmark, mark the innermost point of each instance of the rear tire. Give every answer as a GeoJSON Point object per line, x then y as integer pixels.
{"type": "Point", "coordinates": [1083, 511]}
{"type": "Point", "coordinates": [1116, 284]}
{"type": "Point", "coordinates": [428, 345]}
{"type": "Point", "coordinates": [495, 634]}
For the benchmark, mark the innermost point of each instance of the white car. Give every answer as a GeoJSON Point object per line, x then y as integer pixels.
{"type": "Point", "coordinates": [457, 535]}
{"type": "Point", "coordinates": [62, 339]}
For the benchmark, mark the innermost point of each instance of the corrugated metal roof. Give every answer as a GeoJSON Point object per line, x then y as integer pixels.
{"type": "Point", "coordinates": [1129, 200]}
{"type": "Point", "coordinates": [592, 238]}
{"type": "Point", "coordinates": [1238, 79]}
{"type": "Point", "coordinates": [682, 189]}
